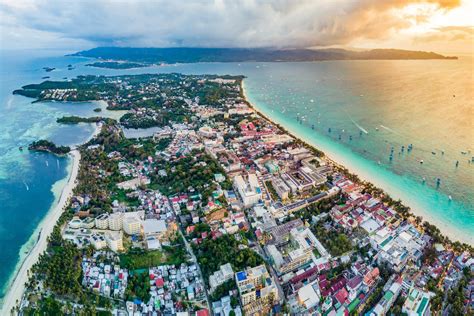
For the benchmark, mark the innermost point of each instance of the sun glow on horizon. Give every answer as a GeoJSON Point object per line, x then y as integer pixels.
{"type": "Point", "coordinates": [427, 26]}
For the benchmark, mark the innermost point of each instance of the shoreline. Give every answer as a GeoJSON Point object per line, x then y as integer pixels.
{"type": "Point", "coordinates": [17, 286]}
{"type": "Point", "coordinates": [336, 159]}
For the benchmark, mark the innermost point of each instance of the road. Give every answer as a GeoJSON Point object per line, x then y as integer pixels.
{"type": "Point", "coordinates": [281, 294]}
{"type": "Point", "coordinates": [189, 249]}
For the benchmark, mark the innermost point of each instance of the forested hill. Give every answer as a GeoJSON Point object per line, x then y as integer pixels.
{"type": "Point", "coordinates": [192, 55]}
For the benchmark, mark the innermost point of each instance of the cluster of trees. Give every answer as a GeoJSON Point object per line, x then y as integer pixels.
{"type": "Point", "coordinates": [116, 65]}
{"type": "Point", "coordinates": [456, 295]}
{"type": "Point", "coordinates": [137, 258]}
{"type": "Point", "coordinates": [196, 170]}
{"type": "Point", "coordinates": [320, 207]}
{"type": "Point", "coordinates": [97, 176]}
{"type": "Point", "coordinates": [272, 190]}
{"type": "Point", "coordinates": [223, 290]}
{"type": "Point", "coordinates": [334, 240]}
{"type": "Point", "coordinates": [132, 120]}
{"type": "Point", "coordinates": [77, 119]}
{"type": "Point", "coordinates": [213, 93]}
{"type": "Point", "coordinates": [48, 146]}
{"type": "Point", "coordinates": [211, 254]}
{"type": "Point", "coordinates": [138, 286]}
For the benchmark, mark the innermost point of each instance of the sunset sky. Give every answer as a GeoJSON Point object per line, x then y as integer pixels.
{"type": "Point", "coordinates": [444, 26]}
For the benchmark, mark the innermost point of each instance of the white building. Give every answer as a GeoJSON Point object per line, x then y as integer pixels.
{"type": "Point", "coordinates": [132, 225]}
{"type": "Point", "coordinates": [102, 221]}
{"type": "Point", "coordinates": [114, 240]}
{"type": "Point", "coordinates": [98, 241]}
{"type": "Point", "coordinates": [417, 303]}
{"type": "Point", "coordinates": [249, 191]}
{"type": "Point", "coordinates": [222, 275]}
{"type": "Point", "coordinates": [115, 221]}
{"type": "Point", "coordinates": [308, 297]}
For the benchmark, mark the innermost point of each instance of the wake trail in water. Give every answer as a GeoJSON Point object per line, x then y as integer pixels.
{"type": "Point", "coordinates": [355, 123]}
{"type": "Point", "coordinates": [390, 130]}
{"type": "Point", "coordinates": [9, 102]}
{"type": "Point", "coordinates": [26, 186]}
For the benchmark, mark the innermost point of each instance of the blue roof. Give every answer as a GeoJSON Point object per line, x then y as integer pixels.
{"type": "Point", "coordinates": [241, 276]}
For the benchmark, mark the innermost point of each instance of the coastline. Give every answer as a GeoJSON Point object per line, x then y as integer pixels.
{"type": "Point", "coordinates": [17, 287]}
{"type": "Point", "coordinates": [395, 193]}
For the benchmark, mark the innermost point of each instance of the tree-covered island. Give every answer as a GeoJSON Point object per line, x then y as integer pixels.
{"type": "Point", "coordinates": [48, 146]}
{"type": "Point", "coordinates": [116, 65]}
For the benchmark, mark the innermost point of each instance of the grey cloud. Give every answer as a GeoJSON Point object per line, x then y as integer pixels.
{"type": "Point", "coordinates": [220, 23]}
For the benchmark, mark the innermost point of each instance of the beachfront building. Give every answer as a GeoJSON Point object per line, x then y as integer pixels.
{"type": "Point", "coordinates": [249, 190]}
{"type": "Point", "coordinates": [221, 276]}
{"type": "Point", "coordinates": [114, 240]}
{"type": "Point", "coordinates": [417, 303]}
{"type": "Point", "coordinates": [257, 289]}
{"type": "Point", "coordinates": [398, 247]}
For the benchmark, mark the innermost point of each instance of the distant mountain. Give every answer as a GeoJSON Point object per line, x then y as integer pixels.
{"type": "Point", "coordinates": [192, 55]}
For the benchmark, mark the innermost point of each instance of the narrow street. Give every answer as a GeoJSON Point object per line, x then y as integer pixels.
{"type": "Point", "coordinates": [189, 249]}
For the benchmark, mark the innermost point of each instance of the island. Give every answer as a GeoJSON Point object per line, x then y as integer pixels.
{"type": "Point", "coordinates": [48, 146]}
{"type": "Point", "coordinates": [48, 69]}
{"type": "Point", "coordinates": [117, 64]}
{"type": "Point", "coordinates": [77, 119]}
{"type": "Point", "coordinates": [223, 207]}
{"type": "Point", "coordinates": [149, 56]}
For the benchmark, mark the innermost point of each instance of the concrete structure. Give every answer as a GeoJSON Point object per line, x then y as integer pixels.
{"type": "Point", "coordinates": [221, 276]}
{"type": "Point", "coordinates": [292, 246]}
{"type": "Point", "coordinates": [98, 241]}
{"type": "Point", "coordinates": [114, 240]}
{"type": "Point", "coordinates": [115, 221]}
{"type": "Point", "coordinates": [417, 303]}
{"type": "Point", "coordinates": [102, 221]}
{"type": "Point", "coordinates": [398, 247]}
{"type": "Point", "coordinates": [132, 225]}
{"type": "Point", "coordinates": [386, 302]}
{"type": "Point", "coordinates": [281, 188]}
{"type": "Point", "coordinates": [257, 289]}
{"type": "Point", "coordinates": [308, 297]}
{"type": "Point", "coordinates": [249, 190]}
{"type": "Point", "coordinates": [154, 227]}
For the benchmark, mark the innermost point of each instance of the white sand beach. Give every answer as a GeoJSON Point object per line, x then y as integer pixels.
{"type": "Point", "coordinates": [16, 290]}
{"type": "Point", "coordinates": [394, 192]}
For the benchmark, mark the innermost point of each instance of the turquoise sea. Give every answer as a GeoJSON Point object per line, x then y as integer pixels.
{"type": "Point", "coordinates": [369, 106]}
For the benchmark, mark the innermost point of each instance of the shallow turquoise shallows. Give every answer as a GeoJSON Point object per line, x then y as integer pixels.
{"type": "Point", "coordinates": [371, 108]}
